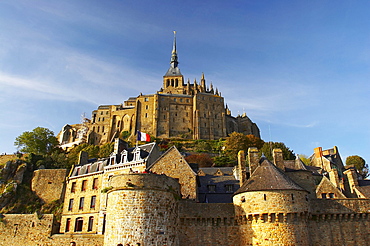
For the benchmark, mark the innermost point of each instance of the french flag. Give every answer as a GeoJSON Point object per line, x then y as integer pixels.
{"type": "Point", "coordinates": [142, 136]}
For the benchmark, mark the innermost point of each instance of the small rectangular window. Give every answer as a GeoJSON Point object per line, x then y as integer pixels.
{"type": "Point", "coordinates": [83, 186]}
{"type": "Point", "coordinates": [331, 195]}
{"type": "Point", "coordinates": [229, 188]}
{"type": "Point", "coordinates": [73, 187]}
{"type": "Point", "coordinates": [68, 225]}
{"type": "Point", "coordinates": [93, 202]}
{"type": "Point", "coordinates": [81, 206]}
{"type": "Point", "coordinates": [323, 195]}
{"type": "Point", "coordinates": [91, 223]}
{"type": "Point", "coordinates": [70, 205]}
{"type": "Point", "coordinates": [211, 188]}
{"type": "Point", "coordinates": [95, 184]}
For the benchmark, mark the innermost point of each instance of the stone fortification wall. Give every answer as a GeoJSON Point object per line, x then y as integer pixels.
{"type": "Point", "coordinates": [339, 229]}
{"type": "Point", "coordinates": [36, 230]}
{"type": "Point", "coordinates": [19, 229]}
{"type": "Point", "coordinates": [49, 184]}
{"type": "Point", "coordinates": [207, 224]}
{"type": "Point", "coordinates": [142, 208]}
{"type": "Point", "coordinates": [339, 222]}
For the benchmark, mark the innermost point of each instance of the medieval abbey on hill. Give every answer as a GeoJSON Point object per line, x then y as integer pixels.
{"type": "Point", "coordinates": [178, 109]}
{"type": "Point", "coordinates": [143, 197]}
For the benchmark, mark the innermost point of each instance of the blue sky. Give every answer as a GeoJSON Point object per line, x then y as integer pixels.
{"type": "Point", "coordinates": [299, 69]}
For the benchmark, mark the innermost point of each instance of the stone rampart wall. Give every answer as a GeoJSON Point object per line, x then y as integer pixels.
{"type": "Point", "coordinates": [37, 230]}
{"type": "Point", "coordinates": [207, 224]}
{"type": "Point", "coordinates": [49, 184]}
{"type": "Point", "coordinates": [332, 230]}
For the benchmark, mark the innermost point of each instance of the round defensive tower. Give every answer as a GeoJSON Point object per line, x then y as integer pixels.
{"type": "Point", "coordinates": [271, 208]}
{"type": "Point", "coordinates": [142, 208]}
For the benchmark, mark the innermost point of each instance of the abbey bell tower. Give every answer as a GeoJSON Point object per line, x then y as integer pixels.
{"type": "Point", "coordinates": [173, 81]}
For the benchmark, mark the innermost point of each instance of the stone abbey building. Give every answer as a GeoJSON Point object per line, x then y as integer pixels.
{"type": "Point", "coordinates": [180, 109]}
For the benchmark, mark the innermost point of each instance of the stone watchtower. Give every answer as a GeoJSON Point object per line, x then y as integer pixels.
{"type": "Point", "coordinates": [272, 208]}
{"type": "Point", "coordinates": [142, 208]}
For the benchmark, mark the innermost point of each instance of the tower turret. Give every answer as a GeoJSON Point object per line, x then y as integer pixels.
{"type": "Point", "coordinates": [271, 200]}
{"type": "Point", "coordinates": [142, 208]}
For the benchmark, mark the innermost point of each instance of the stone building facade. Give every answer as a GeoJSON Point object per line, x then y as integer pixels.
{"type": "Point", "coordinates": [180, 109]}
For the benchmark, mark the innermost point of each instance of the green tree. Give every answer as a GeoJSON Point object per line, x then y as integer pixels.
{"type": "Point", "coordinates": [359, 163]}
{"type": "Point", "coordinates": [39, 141]}
{"type": "Point", "coordinates": [106, 149]}
{"type": "Point", "coordinates": [203, 146]}
{"type": "Point", "coordinates": [224, 161]}
{"type": "Point", "coordinates": [125, 135]}
{"type": "Point", "coordinates": [305, 159]}
{"type": "Point", "coordinates": [269, 146]}
{"type": "Point", "coordinates": [239, 141]}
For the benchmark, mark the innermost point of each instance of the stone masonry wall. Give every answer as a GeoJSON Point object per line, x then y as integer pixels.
{"type": "Point", "coordinates": [283, 201]}
{"type": "Point", "coordinates": [142, 208]}
{"type": "Point", "coordinates": [340, 229]}
{"type": "Point", "coordinates": [207, 224]}
{"type": "Point", "coordinates": [35, 230]}
{"type": "Point", "coordinates": [174, 165]}
{"type": "Point", "coordinates": [49, 184]}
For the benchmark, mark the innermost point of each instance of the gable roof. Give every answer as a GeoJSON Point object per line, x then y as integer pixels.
{"type": "Point", "coordinates": [268, 177]}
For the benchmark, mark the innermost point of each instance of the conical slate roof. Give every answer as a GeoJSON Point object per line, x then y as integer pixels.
{"type": "Point", "coordinates": [268, 177]}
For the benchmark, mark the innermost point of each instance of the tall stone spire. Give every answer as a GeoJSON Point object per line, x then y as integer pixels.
{"type": "Point", "coordinates": [174, 70]}
{"type": "Point", "coordinates": [174, 61]}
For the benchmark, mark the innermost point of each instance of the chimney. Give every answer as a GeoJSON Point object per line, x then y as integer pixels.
{"type": "Point", "coordinates": [242, 167]}
{"type": "Point", "coordinates": [83, 157]}
{"type": "Point", "coordinates": [253, 159]}
{"type": "Point", "coordinates": [277, 154]}
{"type": "Point", "coordinates": [351, 175]}
{"type": "Point", "coordinates": [119, 146]}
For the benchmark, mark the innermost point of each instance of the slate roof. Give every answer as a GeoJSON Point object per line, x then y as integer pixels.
{"type": "Point", "coordinates": [98, 165]}
{"type": "Point", "coordinates": [364, 187]}
{"type": "Point", "coordinates": [213, 170]}
{"type": "Point", "coordinates": [268, 177]}
{"type": "Point", "coordinates": [144, 149]}
{"type": "Point", "coordinates": [220, 182]}
{"type": "Point", "coordinates": [173, 71]}
{"type": "Point", "coordinates": [298, 165]}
